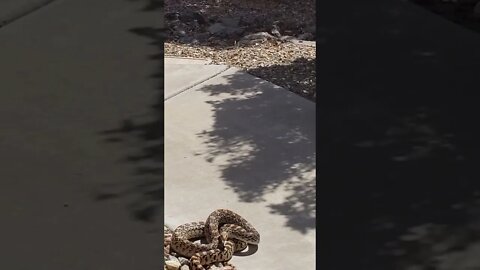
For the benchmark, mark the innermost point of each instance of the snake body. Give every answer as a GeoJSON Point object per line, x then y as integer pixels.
{"type": "Point", "coordinates": [241, 229]}
{"type": "Point", "coordinates": [226, 232]}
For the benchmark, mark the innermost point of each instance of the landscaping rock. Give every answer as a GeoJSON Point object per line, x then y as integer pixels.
{"type": "Point", "coordinates": [233, 22]}
{"type": "Point", "coordinates": [286, 64]}
{"type": "Point", "coordinates": [202, 37]}
{"type": "Point", "coordinates": [183, 260]}
{"type": "Point", "coordinates": [190, 16]}
{"type": "Point", "coordinates": [216, 28]}
{"type": "Point", "coordinates": [172, 265]}
{"type": "Point", "coordinates": [172, 16]}
{"type": "Point", "coordinates": [259, 36]}
{"type": "Point", "coordinates": [184, 267]}
{"type": "Point", "coordinates": [254, 35]}
{"type": "Point", "coordinates": [305, 36]}
{"type": "Point", "coordinates": [276, 31]}
{"type": "Point", "coordinates": [173, 258]}
{"type": "Point", "coordinates": [188, 40]}
{"type": "Point", "coordinates": [217, 267]}
{"type": "Point", "coordinates": [221, 30]}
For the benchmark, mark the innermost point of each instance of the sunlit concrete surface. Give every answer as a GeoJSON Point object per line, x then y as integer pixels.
{"type": "Point", "coordinates": [238, 142]}
{"type": "Point", "coordinates": [185, 73]}
{"type": "Point", "coordinates": [171, 60]}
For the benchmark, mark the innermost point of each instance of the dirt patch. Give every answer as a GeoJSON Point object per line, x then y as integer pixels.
{"type": "Point", "coordinates": [273, 40]}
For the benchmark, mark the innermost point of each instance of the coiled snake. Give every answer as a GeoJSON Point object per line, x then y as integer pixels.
{"type": "Point", "coordinates": [225, 231]}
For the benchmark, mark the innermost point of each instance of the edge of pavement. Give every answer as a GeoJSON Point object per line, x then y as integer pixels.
{"type": "Point", "coordinates": [215, 73]}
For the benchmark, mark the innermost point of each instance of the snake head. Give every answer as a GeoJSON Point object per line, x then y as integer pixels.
{"type": "Point", "coordinates": [223, 236]}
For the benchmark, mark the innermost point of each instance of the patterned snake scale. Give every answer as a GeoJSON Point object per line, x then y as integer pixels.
{"type": "Point", "coordinates": [223, 229]}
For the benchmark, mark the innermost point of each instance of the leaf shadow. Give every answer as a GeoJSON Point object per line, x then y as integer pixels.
{"type": "Point", "coordinates": [269, 148]}
{"type": "Point", "coordinates": [398, 149]}
{"type": "Point", "coordinates": [146, 188]}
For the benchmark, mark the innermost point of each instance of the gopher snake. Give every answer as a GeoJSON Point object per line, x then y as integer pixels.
{"type": "Point", "coordinates": [222, 228]}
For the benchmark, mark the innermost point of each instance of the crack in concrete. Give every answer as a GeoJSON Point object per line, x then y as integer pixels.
{"type": "Point", "coordinates": [195, 84]}
{"type": "Point", "coordinates": [24, 11]}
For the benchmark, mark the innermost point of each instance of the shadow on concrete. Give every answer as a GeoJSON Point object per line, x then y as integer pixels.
{"type": "Point", "coordinates": [272, 146]}
{"type": "Point", "coordinates": [460, 12]}
{"type": "Point", "coordinates": [398, 143]}
{"type": "Point", "coordinates": [146, 187]}
{"type": "Point", "coordinates": [297, 81]}
{"type": "Point", "coordinates": [152, 5]}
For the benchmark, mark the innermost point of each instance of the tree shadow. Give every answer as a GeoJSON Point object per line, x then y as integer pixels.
{"type": "Point", "coordinates": [147, 187]}
{"type": "Point", "coordinates": [399, 185]}
{"type": "Point", "coordinates": [293, 76]}
{"type": "Point", "coordinates": [460, 12]}
{"type": "Point", "coordinates": [270, 148]}
{"type": "Point", "coordinates": [151, 5]}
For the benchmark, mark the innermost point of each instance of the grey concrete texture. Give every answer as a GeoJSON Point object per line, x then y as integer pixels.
{"type": "Point", "coordinates": [186, 60]}
{"type": "Point", "coordinates": [13, 9]}
{"type": "Point", "coordinates": [397, 79]}
{"type": "Point", "coordinates": [196, 71]}
{"type": "Point", "coordinates": [238, 142]}
{"type": "Point", "coordinates": [78, 81]}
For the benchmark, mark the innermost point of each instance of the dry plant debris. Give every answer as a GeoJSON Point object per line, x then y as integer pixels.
{"type": "Point", "coordinates": [286, 64]}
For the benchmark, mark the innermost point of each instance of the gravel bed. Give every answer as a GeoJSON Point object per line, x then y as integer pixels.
{"type": "Point", "coordinates": [286, 64]}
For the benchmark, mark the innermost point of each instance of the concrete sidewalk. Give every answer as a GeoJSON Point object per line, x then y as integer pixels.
{"type": "Point", "coordinates": [393, 72]}
{"type": "Point", "coordinates": [13, 9]}
{"type": "Point", "coordinates": [70, 74]}
{"type": "Point", "coordinates": [238, 142]}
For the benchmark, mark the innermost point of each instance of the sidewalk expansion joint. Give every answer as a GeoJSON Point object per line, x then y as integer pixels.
{"type": "Point", "coordinates": [24, 11]}
{"type": "Point", "coordinates": [195, 84]}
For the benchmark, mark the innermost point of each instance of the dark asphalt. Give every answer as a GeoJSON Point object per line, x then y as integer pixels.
{"type": "Point", "coordinates": [398, 138]}
{"type": "Point", "coordinates": [80, 129]}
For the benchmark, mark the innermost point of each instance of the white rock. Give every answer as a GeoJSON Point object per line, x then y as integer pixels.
{"type": "Point", "coordinates": [185, 267]}
{"type": "Point", "coordinates": [173, 265]}
{"type": "Point", "coordinates": [303, 42]}
{"type": "Point", "coordinates": [214, 267]}
{"type": "Point", "coordinates": [183, 260]}
{"type": "Point", "coordinates": [259, 35]}
{"type": "Point", "coordinates": [173, 258]}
